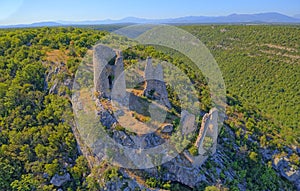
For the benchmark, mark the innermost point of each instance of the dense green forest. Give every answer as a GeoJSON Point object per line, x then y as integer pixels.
{"type": "Point", "coordinates": [260, 66]}
{"type": "Point", "coordinates": [36, 140]}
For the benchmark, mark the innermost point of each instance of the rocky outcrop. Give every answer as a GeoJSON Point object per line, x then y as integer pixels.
{"type": "Point", "coordinates": [283, 166]}
{"type": "Point", "coordinates": [106, 118]}
{"type": "Point", "coordinates": [180, 170]}
{"type": "Point", "coordinates": [152, 140]}
{"type": "Point", "coordinates": [123, 139]}
{"type": "Point", "coordinates": [58, 180]}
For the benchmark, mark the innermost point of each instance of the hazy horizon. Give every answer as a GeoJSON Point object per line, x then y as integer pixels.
{"type": "Point", "coordinates": [31, 11]}
{"type": "Point", "coordinates": [143, 19]}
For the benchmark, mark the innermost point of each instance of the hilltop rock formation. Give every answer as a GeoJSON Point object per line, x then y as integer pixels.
{"type": "Point", "coordinates": [108, 66]}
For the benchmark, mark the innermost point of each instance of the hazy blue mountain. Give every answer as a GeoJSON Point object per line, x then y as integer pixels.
{"type": "Point", "coordinates": [233, 18]}
{"type": "Point", "coordinates": [297, 16]}
{"type": "Point", "coordinates": [39, 24]}
{"type": "Point", "coordinates": [239, 18]}
{"type": "Point", "coordinates": [262, 17]}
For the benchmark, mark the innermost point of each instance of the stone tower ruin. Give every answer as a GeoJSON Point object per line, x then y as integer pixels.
{"type": "Point", "coordinates": [108, 67]}
{"type": "Point", "coordinates": [155, 86]}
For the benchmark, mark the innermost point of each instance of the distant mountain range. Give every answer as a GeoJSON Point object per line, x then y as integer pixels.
{"type": "Point", "coordinates": [297, 16]}
{"type": "Point", "coordinates": [259, 18]}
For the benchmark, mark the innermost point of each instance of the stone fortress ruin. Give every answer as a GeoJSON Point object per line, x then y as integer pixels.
{"type": "Point", "coordinates": [108, 70]}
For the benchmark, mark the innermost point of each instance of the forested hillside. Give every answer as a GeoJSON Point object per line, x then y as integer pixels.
{"type": "Point", "coordinates": [37, 67]}
{"type": "Point", "coordinates": [261, 69]}
{"type": "Point", "coordinates": [260, 65]}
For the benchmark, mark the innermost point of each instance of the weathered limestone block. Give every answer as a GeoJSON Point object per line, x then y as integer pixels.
{"type": "Point", "coordinates": [187, 122]}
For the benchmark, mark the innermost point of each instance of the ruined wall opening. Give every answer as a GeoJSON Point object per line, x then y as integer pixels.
{"type": "Point", "coordinates": [112, 61]}
{"type": "Point", "coordinates": [110, 82]}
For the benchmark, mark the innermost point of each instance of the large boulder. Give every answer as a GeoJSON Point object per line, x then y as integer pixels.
{"type": "Point", "coordinates": [167, 128]}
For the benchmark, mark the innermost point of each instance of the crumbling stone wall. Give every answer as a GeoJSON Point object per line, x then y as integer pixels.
{"type": "Point", "coordinates": [209, 127]}
{"type": "Point", "coordinates": [155, 86]}
{"type": "Point", "coordinates": [108, 66]}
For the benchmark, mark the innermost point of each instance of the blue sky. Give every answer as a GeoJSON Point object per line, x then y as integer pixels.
{"type": "Point", "coordinates": [28, 11]}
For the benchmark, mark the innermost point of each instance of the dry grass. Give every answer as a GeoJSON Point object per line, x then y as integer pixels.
{"type": "Point", "coordinates": [57, 56]}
